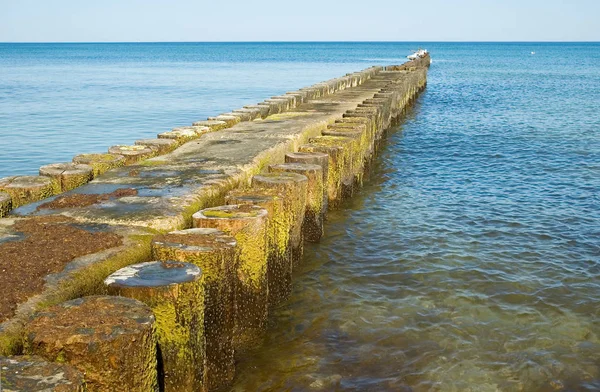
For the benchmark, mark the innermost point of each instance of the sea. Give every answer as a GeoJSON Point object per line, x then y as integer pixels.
{"type": "Point", "coordinates": [470, 259]}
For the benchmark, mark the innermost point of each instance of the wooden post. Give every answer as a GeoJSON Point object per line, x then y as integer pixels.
{"type": "Point", "coordinates": [248, 225]}
{"type": "Point", "coordinates": [109, 339]}
{"type": "Point", "coordinates": [293, 188]}
{"type": "Point", "coordinates": [174, 293]}
{"type": "Point", "coordinates": [280, 254]}
{"type": "Point", "coordinates": [312, 226]}
{"type": "Point", "coordinates": [30, 373]}
{"type": "Point", "coordinates": [215, 253]}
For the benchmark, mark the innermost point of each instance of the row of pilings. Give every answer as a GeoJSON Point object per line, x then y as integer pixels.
{"type": "Point", "coordinates": [178, 323]}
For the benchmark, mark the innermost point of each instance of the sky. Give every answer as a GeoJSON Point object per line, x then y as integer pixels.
{"type": "Point", "coordinates": [300, 20]}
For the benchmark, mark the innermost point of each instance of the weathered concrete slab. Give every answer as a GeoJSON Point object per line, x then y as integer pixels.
{"type": "Point", "coordinates": [171, 187]}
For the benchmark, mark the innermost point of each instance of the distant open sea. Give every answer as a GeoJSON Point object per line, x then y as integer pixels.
{"type": "Point", "coordinates": [470, 260]}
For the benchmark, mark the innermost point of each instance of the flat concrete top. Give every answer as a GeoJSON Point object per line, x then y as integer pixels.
{"type": "Point", "coordinates": [170, 187]}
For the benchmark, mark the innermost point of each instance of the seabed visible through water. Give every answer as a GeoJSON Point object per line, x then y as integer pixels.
{"type": "Point", "coordinates": [468, 262]}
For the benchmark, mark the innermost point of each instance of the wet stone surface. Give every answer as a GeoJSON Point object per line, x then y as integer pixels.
{"type": "Point", "coordinates": [30, 373]}
{"type": "Point", "coordinates": [110, 339]}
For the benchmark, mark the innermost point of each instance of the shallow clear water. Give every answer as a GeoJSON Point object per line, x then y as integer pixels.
{"type": "Point", "coordinates": [470, 261]}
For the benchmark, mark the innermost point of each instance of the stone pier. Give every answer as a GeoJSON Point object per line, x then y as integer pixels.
{"type": "Point", "coordinates": [64, 232]}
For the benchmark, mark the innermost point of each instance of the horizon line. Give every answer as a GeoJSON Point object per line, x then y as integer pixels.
{"type": "Point", "coordinates": [283, 42]}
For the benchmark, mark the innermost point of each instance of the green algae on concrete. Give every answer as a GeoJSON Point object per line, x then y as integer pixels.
{"type": "Point", "coordinates": [100, 163]}
{"type": "Point", "coordinates": [174, 292]}
{"type": "Point", "coordinates": [161, 146]}
{"type": "Point", "coordinates": [230, 120]}
{"type": "Point", "coordinates": [248, 225]}
{"type": "Point", "coordinates": [293, 187]}
{"type": "Point", "coordinates": [360, 147]}
{"type": "Point", "coordinates": [314, 158]}
{"type": "Point", "coordinates": [215, 253]}
{"type": "Point", "coordinates": [109, 339]}
{"type": "Point", "coordinates": [312, 226]}
{"type": "Point", "coordinates": [27, 189]}
{"type": "Point", "coordinates": [68, 175]}
{"type": "Point", "coordinates": [213, 125]}
{"type": "Point", "coordinates": [5, 204]}
{"type": "Point", "coordinates": [133, 153]}
{"type": "Point", "coordinates": [279, 272]}
{"type": "Point", "coordinates": [180, 135]}
{"type": "Point", "coordinates": [31, 373]}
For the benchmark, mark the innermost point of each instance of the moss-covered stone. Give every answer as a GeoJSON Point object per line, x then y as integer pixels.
{"type": "Point", "coordinates": [214, 125]}
{"type": "Point", "coordinates": [30, 373]}
{"type": "Point", "coordinates": [312, 225]}
{"type": "Point", "coordinates": [27, 189]}
{"type": "Point", "coordinates": [100, 163]}
{"type": "Point", "coordinates": [293, 187]}
{"type": "Point", "coordinates": [68, 175]}
{"type": "Point", "coordinates": [109, 339]}
{"type": "Point", "coordinates": [5, 204]}
{"type": "Point", "coordinates": [314, 158]}
{"type": "Point", "coordinates": [248, 225]}
{"type": "Point", "coordinates": [230, 120]}
{"type": "Point", "coordinates": [280, 253]}
{"type": "Point", "coordinates": [132, 154]}
{"type": "Point", "coordinates": [161, 146]}
{"type": "Point", "coordinates": [215, 253]}
{"type": "Point", "coordinates": [175, 294]}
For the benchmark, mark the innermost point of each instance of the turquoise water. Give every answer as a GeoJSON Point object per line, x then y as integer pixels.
{"type": "Point", "coordinates": [470, 261]}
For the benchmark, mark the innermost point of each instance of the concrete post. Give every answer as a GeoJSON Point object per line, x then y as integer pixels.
{"type": "Point", "coordinates": [100, 163]}
{"type": "Point", "coordinates": [215, 253]}
{"type": "Point", "coordinates": [280, 253]}
{"type": "Point", "coordinates": [248, 225]}
{"type": "Point", "coordinates": [174, 293]}
{"type": "Point", "coordinates": [132, 154]}
{"type": "Point", "coordinates": [27, 189]}
{"type": "Point", "coordinates": [293, 188]}
{"type": "Point", "coordinates": [312, 226]}
{"type": "Point", "coordinates": [69, 175]}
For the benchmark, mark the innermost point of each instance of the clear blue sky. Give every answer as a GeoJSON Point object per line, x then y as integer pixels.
{"type": "Point", "coordinates": [302, 20]}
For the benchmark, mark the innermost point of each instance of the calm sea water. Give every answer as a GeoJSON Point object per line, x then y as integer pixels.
{"type": "Point", "coordinates": [59, 100]}
{"type": "Point", "coordinates": [470, 261]}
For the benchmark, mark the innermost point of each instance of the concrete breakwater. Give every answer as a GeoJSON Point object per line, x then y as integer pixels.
{"type": "Point", "coordinates": [225, 204]}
